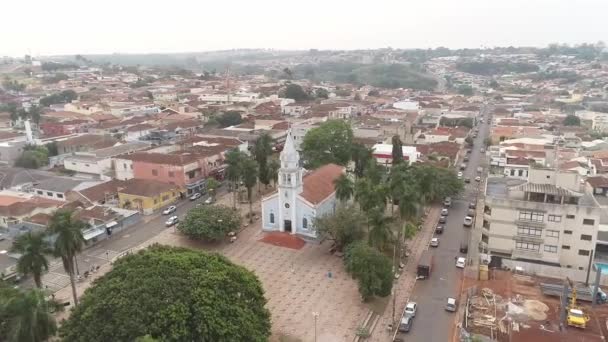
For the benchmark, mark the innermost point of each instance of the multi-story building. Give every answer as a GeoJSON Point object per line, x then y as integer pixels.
{"type": "Point", "coordinates": [550, 220]}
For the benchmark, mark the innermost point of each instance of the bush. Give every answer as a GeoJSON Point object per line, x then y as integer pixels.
{"type": "Point", "coordinates": [210, 223]}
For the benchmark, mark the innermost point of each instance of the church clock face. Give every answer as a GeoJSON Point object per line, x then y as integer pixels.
{"type": "Point", "coordinates": [287, 205]}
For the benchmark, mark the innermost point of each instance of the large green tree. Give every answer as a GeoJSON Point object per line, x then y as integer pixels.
{"type": "Point", "coordinates": [295, 91]}
{"type": "Point", "coordinates": [572, 120]}
{"type": "Point", "coordinates": [371, 269]}
{"type": "Point", "coordinates": [344, 226]}
{"type": "Point", "coordinates": [397, 152]}
{"type": "Point", "coordinates": [210, 222]}
{"type": "Point", "coordinates": [331, 142]}
{"type": "Point", "coordinates": [68, 242]}
{"type": "Point", "coordinates": [171, 294]}
{"type": "Point", "coordinates": [26, 315]}
{"type": "Point", "coordinates": [361, 157]}
{"type": "Point", "coordinates": [33, 249]}
{"type": "Point", "coordinates": [249, 175]}
{"type": "Point", "coordinates": [263, 150]}
{"type": "Point", "coordinates": [273, 170]}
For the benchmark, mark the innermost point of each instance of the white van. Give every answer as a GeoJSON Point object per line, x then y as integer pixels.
{"type": "Point", "coordinates": [451, 304]}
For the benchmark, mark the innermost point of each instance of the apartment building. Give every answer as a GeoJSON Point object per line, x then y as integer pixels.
{"type": "Point", "coordinates": [550, 220]}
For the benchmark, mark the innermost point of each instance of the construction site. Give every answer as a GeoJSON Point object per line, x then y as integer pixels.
{"type": "Point", "coordinates": [517, 307]}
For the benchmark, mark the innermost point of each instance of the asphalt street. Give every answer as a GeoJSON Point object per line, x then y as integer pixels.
{"type": "Point", "coordinates": [432, 321]}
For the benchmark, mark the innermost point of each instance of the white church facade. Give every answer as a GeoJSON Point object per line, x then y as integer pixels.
{"type": "Point", "coordinates": [300, 198]}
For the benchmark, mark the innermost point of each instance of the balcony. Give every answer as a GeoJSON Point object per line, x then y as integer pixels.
{"type": "Point", "coordinates": [529, 238]}
{"type": "Point", "coordinates": [531, 223]}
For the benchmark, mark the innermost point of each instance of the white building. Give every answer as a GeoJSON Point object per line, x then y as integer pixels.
{"type": "Point", "coordinates": [549, 221]}
{"type": "Point", "coordinates": [384, 153]}
{"type": "Point", "coordinates": [226, 98]}
{"type": "Point", "coordinates": [300, 198]}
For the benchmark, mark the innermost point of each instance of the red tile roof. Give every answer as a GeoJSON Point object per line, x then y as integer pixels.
{"type": "Point", "coordinates": [319, 184]}
{"type": "Point", "coordinates": [598, 182]}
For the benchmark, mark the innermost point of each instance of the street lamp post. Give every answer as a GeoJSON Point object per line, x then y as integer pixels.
{"type": "Point", "coordinates": [315, 315]}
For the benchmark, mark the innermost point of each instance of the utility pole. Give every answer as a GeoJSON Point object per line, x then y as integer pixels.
{"type": "Point", "coordinates": [315, 315]}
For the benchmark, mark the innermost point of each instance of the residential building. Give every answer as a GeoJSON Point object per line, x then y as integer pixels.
{"type": "Point", "coordinates": [55, 188]}
{"type": "Point", "coordinates": [147, 196]}
{"type": "Point", "coordinates": [300, 198]}
{"type": "Point", "coordinates": [99, 163]}
{"type": "Point", "coordinates": [551, 220]}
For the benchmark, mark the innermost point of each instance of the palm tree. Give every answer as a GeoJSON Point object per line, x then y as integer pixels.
{"type": "Point", "coordinates": [380, 233]}
{"type": "Point", "coordinates": [33, 249]}
{"type": "Point", "coordinates": [29, 315]}
{"type": "Point", "coordinates": [249, 169]}
{"type": "Point", "coordinates": [68, 242]}
{"type": "Point", "coordinates": [234, 159]}
{"type": "Point", "coordinates": [345, 188]}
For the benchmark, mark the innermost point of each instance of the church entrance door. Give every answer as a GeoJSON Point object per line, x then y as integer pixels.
{"type": "Point", "coordinates": [287, 225]}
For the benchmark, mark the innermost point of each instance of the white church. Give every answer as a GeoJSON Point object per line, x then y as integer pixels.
{"type": "Point", "coordinates": [300, 198]}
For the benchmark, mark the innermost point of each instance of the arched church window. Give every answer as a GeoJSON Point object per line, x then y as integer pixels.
{"type": "Point", "coordinates": [305, 223]}
{"type": "Point", "coordinates": [271, 217]}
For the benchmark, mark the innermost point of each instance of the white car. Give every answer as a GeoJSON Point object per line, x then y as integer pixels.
{"type": "Point", "coordinates": [468, 221]}
{"type": "Point", "coordinates": [172, 221]}
{"type": "Point", "coordinates": [195, 196]}
{"type": "Point", "coordinates": [169, 210]}
{"type": "Point", "coordinates": [460, 174]}
{"type": "Point", "coordinates": [461, 262]}
{"type": "Point", "coordinates": [434, 242]}
{"type": "Point", "coordinates": [478, 179]}
{"type": "Point", "coordinates": [444, 212]}
{"type": "Point", "coordinates": [410, 309]}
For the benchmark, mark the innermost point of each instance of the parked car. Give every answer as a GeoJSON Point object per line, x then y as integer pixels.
{"type": "Point", "coordinates": [467, 180]}
{"type": "Point", "coordinates": [471, 212]}
{"type": "Point", "coordinates": [447, 202]}
{"type": "Point", "coordinates": [468, 221]}
{"type": "Point", "coordinates": [172, 221]}
{"type": "Point", "coordinates": [434, 242]}
{"type": "Point", "coordinates": [478, 179]}
{"type": "Point", "coordinates": [461, 262]}
{"type": "Point", "coordinates": [451, 304]}
{"type": "Point", "coordinates": [410, 309]}
{"type": "Point", "coordinates": [169, 210]}
{"type": "Point", "coordinates": [472, 205]}
{"type": "Point", "coordinates": [439, 229]}
{"type": "Point", "coordinates": [459, 175]}
{"type": "Point", "coordinates": [444, 212]}
{"type": "Point", "coordinates": [466, 158]}
{"type": "Point", "coordinates": [195, 196]}
{"type": "Point", "coordinates": [406, 324]}
{"type": "Point", "coordinates": [463, 166]}
{"type": "Point", "coordinates": [443, 219]}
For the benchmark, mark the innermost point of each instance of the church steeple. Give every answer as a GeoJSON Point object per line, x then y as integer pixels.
{"type": "Point", "coordinates": [290, 157]}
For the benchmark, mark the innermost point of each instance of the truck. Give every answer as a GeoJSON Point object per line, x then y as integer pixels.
{"type": "Point", "coordinates": [425, 264]}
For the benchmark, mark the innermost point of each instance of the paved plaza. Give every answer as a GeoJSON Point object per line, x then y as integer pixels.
{"type": "Point", "coordinates": [297, 282]}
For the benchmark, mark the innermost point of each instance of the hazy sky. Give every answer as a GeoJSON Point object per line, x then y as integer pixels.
{"type": "Point", "coordinates": [43, 27]}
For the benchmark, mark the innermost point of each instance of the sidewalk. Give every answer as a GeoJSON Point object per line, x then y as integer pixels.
{"type": "Point", "coordinates": [405, 284]}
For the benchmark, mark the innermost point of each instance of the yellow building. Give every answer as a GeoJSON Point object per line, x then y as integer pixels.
{"type": "Point", "coordinates": [147, 196]}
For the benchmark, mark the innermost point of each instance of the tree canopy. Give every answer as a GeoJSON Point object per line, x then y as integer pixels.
{"type": "Point", "coordinates": [343, 227]}
{"type": "Point", "coordinates": [572, 120]}
{"type": "Point", "coordinates": [371, 269]}
{"type": "Point", "coordinates": [171, 294]}
{"type": "Point", "coordinates": [33, 157]}
{"type": "Point", "coordinates": [210, 223]}
{"type": "Point", "coordinates": [295, 91]}
{"type": "Point", "coordinates": [229, 118]}
{"type": "Point", "coordinates": [331, 142]}
{"type": "Point", "coordinates": [65, 96]}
